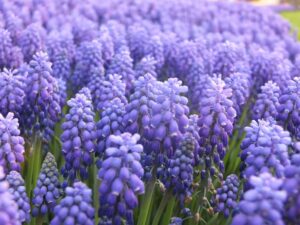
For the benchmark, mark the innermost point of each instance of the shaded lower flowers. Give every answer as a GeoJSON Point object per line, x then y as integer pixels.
{"type": "Point", "coordinates": [181, 168]}
{"type": "Point", "coordinates": [264, 204]}
{"type": "Point", "coordinates": [76, 207]}
{"type": "Point", "coordinates": [47, 190]}
{"type": "Point", "coordinates": [227, 195]}
{"type": "Point", "coordinates": [18, 191]}
{"type": "Point", "coordinates": [120, 176]}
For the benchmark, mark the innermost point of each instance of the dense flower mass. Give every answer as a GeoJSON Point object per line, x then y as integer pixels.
{"type": "Point", "coordinates": [76, 207]}
{"type": "Point", "coordinates": [265, 149]}
{"type": "Point", "coordinates": [263, 204]}
{"type": "Point", "coordinates": [120, 174]}
{"type": "Point", "coordinates": [267, 102]}
{"type": "Point", "coordinates": [148, 112]}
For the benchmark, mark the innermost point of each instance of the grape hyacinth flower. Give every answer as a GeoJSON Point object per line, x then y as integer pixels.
{"type": "Point", "coordinates": [12, 92]}
{"type": "Point", "coordinates": [227, 195]}
{"type": "Point", "coordinates": [169, 121]}
{"type": "Point", "coordinates": [5, 48]}
{"type": "Point", "coordinates": [103, 90]}
{"type": "Point", "coordinates": [122, 64]}
{"type": "Point", "coordinates": [76, 207]}
{"type": "Point", "coordinates": [47, 190]}
{"type": "Point", "coordinates": [264, 204]}
{"type": "Point", "coordinates": [32, 40]}
{"type": "Point", "coordinates": [264, 149]}
{"type": "Point", "coordinates": [226, 58]}
{"type": "Point", "coordinates": [181, 168]}
{"type": "Point", "coordinates": [18, 191]}
{"type": "Point", "coordinates": [216, 120]}
{"type": "Point", "coordinates": [288, 110]}
{"type": "Point", "coordinates": [176, 221]}
{"type": "Point", "coordinates": [121, 174]}
{"type": "Point", "coordinates": [8, 207]}
{"type": "Point", "coordinates": [291, 185]}
{"type": "Point", "coordinates": [107, 43]}
{"type": "Point", "coordinates": [42, 108]}
{"type": "Point", "coordinates": [78, 137]}
{"type": "Point", "coordinates": [193, 129]}
{"type": "Point", "coordinates": [111, 122]}
{"type": "Point", "coordinates": [240, 85]}
{"type": "Point", "coordinates": [88, 60]}
{"type": "Point", "coordinates": [267, 102]}
{"type": "Point", "coordinates": [11, 144]}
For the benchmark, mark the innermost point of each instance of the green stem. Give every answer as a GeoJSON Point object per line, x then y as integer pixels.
{"type": "Point", "coordinates": [169, 211]}
{"type": "Point", "coordinates": [37, 151]}
{"type": "Point", "coordinates": [146, 202]}
{"type": "Point", "coordinates": [161, 208]}
{"type": "Point", "coordinates": [39, 220]}
{"type": "Point", "coordinates": [96, 193]}
{"type": "Point", "coordinates": [29, 173]}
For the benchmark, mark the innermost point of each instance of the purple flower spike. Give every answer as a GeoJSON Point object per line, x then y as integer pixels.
{"type": "Point", "coordinates": [78, 137]}
{"type": "Point", "coordinates": [18, 191]}
{"type": "Point", "coordinates": [169, 121]}
{"type": "Point", "coordinates": [111, 122]}
{"type": "Point", "coordinates": [288, 110]}
{"type": "Point", "coordinates": [12, 92]}
{"type": "Point", "coordinates": [76, 207]}
{"type": "Point", "coordinates": [227, 195]}
{"type": "Point", "coordinates": [8, 207]}
{"type": "Point", "coordinates": [267, 102]}
{"type": "Point", "coordinates": [265, 149]}
{"type": "Point", "coordinates": [264, 204]}
{"type": "Point", "coordinates": [227, 57]}
{"type": "Point", "coordinates": [32, 40]}
{"type": "Point", "coordinates": [122, 64]}
{"type": "Point", "coordinates": [103, 90]}
{"type": "Point", "coordinates": [181, 168]}
{"type": "Point", "coordinates": [216, 120]}
{"type": "Point", "coordinates": [47, 190]}
{"type": "Point", "coordinates": [88, 60]}
{"type": "Point", "coordinates": [107, 44]}
{"type": "Point", "coordinates": [240, 85]}
{"type": "Point", "coordinates": [10, 56]}
{"type": "Point", "coordinates": [120, 176]}
{"type": "Point", "coordinates": [12, 144]}
{"type": "Point", "coordinates": [42, 108]}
